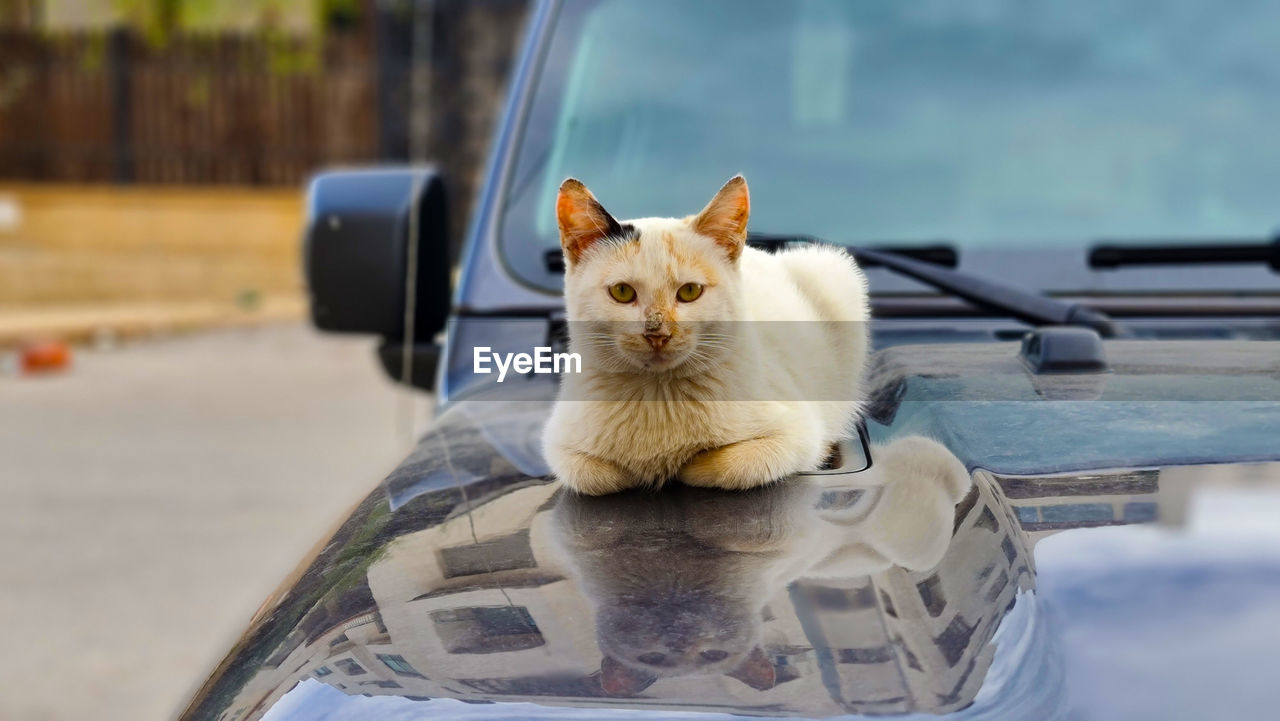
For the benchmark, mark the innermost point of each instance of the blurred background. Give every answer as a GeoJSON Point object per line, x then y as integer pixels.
{"type": "Point", "coordinates": [173, 435]}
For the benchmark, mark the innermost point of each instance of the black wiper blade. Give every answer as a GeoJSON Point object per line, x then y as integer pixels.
{"type": "Point", "coordinates": [1109, 255]}
{"type": "Point", "coordinates": [1031, 308]}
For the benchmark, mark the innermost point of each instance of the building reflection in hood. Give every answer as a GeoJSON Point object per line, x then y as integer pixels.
{"type": "Point", "coordinates": [805, 598]}
{"type": "Point", "coordinates": [766, 586]}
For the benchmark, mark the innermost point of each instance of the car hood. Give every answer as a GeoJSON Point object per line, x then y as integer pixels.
{"type": "Point", "coordinates": [1023, 546]}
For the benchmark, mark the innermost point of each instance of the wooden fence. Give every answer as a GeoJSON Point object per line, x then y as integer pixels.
{"type": "Point", "coordinates": [255, 110]}
{"type": "Point", "coordinates": [224, 109]}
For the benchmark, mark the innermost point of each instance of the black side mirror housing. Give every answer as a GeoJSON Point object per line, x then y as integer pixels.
{"type": "Point", "coordinates": [357, 255]}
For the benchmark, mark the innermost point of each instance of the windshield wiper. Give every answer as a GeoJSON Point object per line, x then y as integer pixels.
{"type": "Point", "coordinates": [1031, 308]}
{"type": "Point", "coordinates": [1109, 255]}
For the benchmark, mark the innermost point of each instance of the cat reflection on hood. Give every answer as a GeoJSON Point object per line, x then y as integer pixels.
{"type": "Point", "coordinates": [680, 579]}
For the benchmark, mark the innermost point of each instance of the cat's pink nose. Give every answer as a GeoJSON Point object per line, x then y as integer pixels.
{"type": "Point", "coordinates": [657, 340]}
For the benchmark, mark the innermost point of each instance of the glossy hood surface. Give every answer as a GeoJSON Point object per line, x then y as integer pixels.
{"type": "Point", "coordinates": [1020, 547]}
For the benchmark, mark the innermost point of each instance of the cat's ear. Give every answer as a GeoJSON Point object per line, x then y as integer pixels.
{"type": "Point", "coordinates": [724, 220]}
{"type": "Point", "coordinates": [756, 671]}
{"type": "Point", "coordinates": [583, 220]}
{"type": "Point", "coordinates": [618, 679]}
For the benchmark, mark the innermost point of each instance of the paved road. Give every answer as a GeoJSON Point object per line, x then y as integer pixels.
{"type": "Point", "coordinates": [152, 497]}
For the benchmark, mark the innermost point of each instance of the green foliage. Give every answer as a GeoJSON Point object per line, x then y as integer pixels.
{"type": "Point", "coordinates": [337, 14]}
{"type": "Point", "coordinates": [274, 22]}
{"type": "Point", "coordinates": [158, 19]}
{"type": "Point", "coordinates": [248, 298]}
{"type": "Point", "coordinates": [93, 58]}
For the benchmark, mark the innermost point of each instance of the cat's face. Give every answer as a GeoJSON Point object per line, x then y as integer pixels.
{"type": "Point", "coordinates": [679, 631]}
{"type": "Point", "coordinates": [654, 294]}
{"type": "Point", "coordinates": [643, 641]}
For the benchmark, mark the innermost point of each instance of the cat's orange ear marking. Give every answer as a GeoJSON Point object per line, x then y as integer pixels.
{"type": "Point", "coordinates": [724, 220]}
{"type": "Point", "coordinates": [583, 220]}
{"type": "Point", "coordinates": [618, 679]}
{"type": "Point", "coordinates": [756, 671]}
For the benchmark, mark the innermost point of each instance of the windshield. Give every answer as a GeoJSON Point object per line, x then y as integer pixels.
{"type": "Point", "coordinates": [990, 124]}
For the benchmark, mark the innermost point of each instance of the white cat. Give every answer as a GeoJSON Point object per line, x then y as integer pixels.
{"type": "Point", "coordinates": [702, 359]}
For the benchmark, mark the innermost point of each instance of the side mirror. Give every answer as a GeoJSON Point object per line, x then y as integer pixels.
{"type": "Point", "coordinates": [357, 256]}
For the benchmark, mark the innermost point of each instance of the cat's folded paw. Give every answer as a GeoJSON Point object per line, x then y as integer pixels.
{"type": "Point", "coordinates": [734, 467]}
{"type": "Point", "coordinates": [592, 476]}
{"type": "Point", "coordinates": [916, 459]}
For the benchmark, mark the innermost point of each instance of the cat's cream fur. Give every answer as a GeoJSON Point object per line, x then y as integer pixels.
{"type": "Point", "coordinates": [747, 384]}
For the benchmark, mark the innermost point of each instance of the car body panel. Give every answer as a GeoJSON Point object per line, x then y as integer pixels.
{"type": "Point", "coordinates": [468, 522]}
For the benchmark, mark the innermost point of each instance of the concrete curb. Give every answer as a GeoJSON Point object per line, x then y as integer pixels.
{"type": "Point", "coordinates": [109, 323]}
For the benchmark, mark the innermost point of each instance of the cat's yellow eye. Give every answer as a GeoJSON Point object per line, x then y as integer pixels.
{"type": "Point", "coordinates": [622, 292]}
{"type": "Point", "coordinates": [689, 292]}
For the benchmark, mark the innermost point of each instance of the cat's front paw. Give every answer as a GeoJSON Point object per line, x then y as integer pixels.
{"type": "Point", "coordinates": [591, 476]}
{"type": "Point", "coordinates": [735, 467]}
